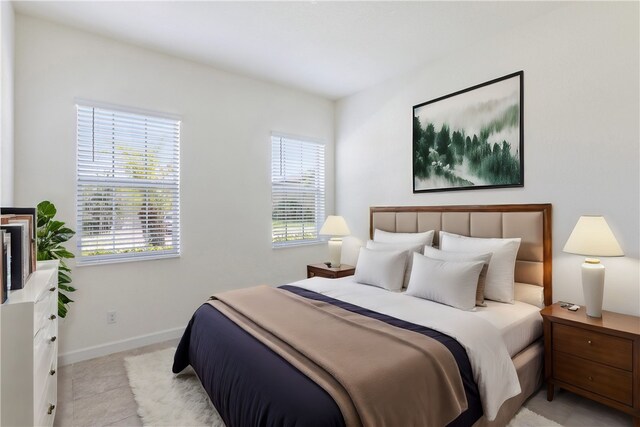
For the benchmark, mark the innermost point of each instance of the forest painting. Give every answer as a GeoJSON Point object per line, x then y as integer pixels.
{"type": "Point", "coordinates": [470, 139]}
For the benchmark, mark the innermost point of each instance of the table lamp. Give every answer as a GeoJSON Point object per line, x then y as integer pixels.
{"type": "Point", "coordinates": [592, 237]}
{"type": "Point", "coordinates": [336, 227]}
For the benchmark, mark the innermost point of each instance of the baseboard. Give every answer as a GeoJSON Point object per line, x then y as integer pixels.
{"type": "Point", "coordinates": [118, 346]}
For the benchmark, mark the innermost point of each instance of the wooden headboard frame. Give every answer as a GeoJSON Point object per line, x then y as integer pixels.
{"type": "Point", "coordinates": [544, 208]}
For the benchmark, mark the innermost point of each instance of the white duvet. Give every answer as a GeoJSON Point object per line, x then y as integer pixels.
{"type": "Point", "coordinates": [492, 367]}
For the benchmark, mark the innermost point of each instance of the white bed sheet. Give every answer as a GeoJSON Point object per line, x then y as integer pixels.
{"type": "Point", "coordinates": [520, 324]}
{"type": "Point", "coordinates": [493, 369]}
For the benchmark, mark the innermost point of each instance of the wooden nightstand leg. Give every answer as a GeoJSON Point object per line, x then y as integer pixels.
{"type": "Point", "coordinates": [636, 421]}
{"type": "Point", "coordinates": [550, 391]}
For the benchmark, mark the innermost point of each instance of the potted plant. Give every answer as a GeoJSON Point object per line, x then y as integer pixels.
{"type": "Point", "coordinates": [51, 235]}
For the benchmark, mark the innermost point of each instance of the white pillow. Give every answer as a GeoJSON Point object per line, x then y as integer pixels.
{"type": "Point", "coordinates": [425, 238]}
{"type": "Point", "coordinates": [450, 283]}
{"type": "Point", "coordinates": [440, 255]}
{"type": "Point", "coordinates": [407, 248]}
{"type": "Point", "coordinates": [384, 269]}
{"type": "Point", "coordinates": [499, 284]}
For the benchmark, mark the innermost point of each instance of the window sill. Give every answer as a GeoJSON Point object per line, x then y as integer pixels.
{"type": "Point", "coordinates": [298, 244]}
{"type": "Point", "coordinates": [89, 262]}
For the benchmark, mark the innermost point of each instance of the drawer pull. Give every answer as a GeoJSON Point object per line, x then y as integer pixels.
{"type": "Point", "coordinates": [589, 342]}
{"type": "Point", "coordinates": [53, 288]}
{"type": "Point", "coordinates": [51, 408]}
{"type": "Point", "coordinates": [590, 378]}
{"type": "Point", "coordinates": [53, 339]}
{"type": "Point", "coordinates": [52, 372]}
{"type": "Point", "coordinates": [52, 317]}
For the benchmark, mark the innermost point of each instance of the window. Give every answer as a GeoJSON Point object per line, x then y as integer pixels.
{"type": "Point", "coordinates": [297, 190]}
{"type": "Point", "coordinates": [128, 189]}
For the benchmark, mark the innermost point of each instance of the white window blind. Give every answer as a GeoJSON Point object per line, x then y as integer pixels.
{"type": "Point", "coordinates": [297, 190]}
{"type": "Point", "coordinates": [128, 185]}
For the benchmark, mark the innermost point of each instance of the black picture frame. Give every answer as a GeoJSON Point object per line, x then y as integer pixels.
{"type": "Point", "coordinates": [461, 136]}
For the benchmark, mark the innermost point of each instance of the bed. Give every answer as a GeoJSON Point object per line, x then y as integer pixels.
{"type": "Point", "coordinates": [251, 384]}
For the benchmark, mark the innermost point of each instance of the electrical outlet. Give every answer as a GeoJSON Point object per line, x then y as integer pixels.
{"type": "Point", "coordinates": [111, 317]}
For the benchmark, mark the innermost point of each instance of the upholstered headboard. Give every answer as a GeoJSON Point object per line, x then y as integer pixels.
{"type": "Point", "coordinates": [532, 223]}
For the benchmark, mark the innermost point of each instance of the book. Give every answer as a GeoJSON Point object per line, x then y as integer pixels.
{"type": "Point", "coordinates": [6, 244]}
{"type": "Point", "coordinates": [26, 246]}
{"type": "Point", "coordinates": [30, 219]}
{"type": "Point", "coordinates": [19, 215]}
{"type": "Point", "coordinates": [4, 289]}
{"type": "Point", "coordinates": [15, 231]}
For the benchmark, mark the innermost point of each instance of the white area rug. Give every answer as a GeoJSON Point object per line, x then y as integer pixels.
{"type": "Point", "coordinates": [527, 418]}
{"type": "Point", "coordinates": [165, 399]}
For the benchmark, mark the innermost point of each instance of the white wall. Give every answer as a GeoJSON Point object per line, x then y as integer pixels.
{"type": "Point", "coordinates": [581, 127]}
{"type": "Point", "coordinates": [225, 155]}
{"type": "Point", "coordinates": [6, 102]}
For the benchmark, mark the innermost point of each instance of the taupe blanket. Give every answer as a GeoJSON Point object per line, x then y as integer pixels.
{"type": "Point", "coordinates": [378, 375]}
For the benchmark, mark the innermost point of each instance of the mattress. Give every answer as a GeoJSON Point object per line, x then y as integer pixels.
{"type": "Point", "coordinates": [519, 324]}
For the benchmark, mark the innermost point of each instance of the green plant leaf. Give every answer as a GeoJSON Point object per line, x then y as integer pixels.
{"type": "Point", "coordinates": [50, 236]}
{"type": "Point", "coordinates": [61, 252]}
{"type": "Point", "coordinates": [61, 237]}
{"type": "Point", "coordinates": [65, 299]}
{"type": "Point", "coordinates": [66, 230]}
{"type": "Point", "coordinates": [63, 234]}
{"type": "Point", "coordinates": [54, 226]}
{"type": "Point", "coordinates": [46, 211]}
{"type": "Point", "coordinates": [63, 278]}
{"type": "Point", "coordinates": [62, 310]}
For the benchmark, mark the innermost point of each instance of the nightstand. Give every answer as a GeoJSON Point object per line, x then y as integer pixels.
{"type": "Point", "coordinates": [321, 270]}
{"type": "Point", "coordinates": [598, 358]}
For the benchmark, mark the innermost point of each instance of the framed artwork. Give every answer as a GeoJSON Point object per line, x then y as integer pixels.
{"type": "Point", "coordinates": [470, 139]}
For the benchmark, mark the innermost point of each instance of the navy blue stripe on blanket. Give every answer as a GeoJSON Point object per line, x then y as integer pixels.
{"type": "Point", "coordinates": [250, 385]}
{"type": "Point", "coordinates": [474, 410]}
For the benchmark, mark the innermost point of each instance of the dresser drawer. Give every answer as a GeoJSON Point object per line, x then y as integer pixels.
{"type": "Point", "coordinates": [606, 381]}
{"type": "Point", "coordinates": [595, 346]}
{"type": "Point", "coordinates": [45, 306]}
{"type": "Point", "coordinates": [43, 310]}
{"type": "Point", "coordinates": [45, 408]}
{"type": "Point", "coordinates": [44, 372]}
{"type": "Point", "coordinates": [43, 350]}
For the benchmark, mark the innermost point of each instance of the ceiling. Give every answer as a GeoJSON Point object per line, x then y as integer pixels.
{"type": "Point", "coordinates": [332, 49]}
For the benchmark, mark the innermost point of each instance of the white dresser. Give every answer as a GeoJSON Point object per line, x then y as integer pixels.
{"type": "Point", "coordinates": [29, 351]}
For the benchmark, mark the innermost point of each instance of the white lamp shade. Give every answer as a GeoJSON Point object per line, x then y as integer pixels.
{"type": "Point", "coordinates": [592, 237]}
{"type": "Point", "coordinates": [335, 226]}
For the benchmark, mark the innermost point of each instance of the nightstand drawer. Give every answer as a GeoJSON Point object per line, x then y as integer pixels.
{"type": "Point", "coordinates": [325, 274]}
{"type": "Point", "coordinates": [606, 381]}
{"type": "Point", "coordinates": [595, 346]}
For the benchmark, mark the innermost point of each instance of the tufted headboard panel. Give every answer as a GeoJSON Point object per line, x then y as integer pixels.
{"type": "Point", "coordinates": [530, 222]}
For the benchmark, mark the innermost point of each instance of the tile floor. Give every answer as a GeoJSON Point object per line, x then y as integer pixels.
{"type": "Point", "coordinates": [96, 393]}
